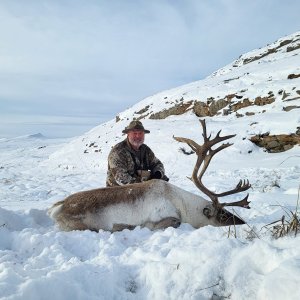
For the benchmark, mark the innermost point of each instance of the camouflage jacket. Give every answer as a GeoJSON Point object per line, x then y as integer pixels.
{"type": "Point", "coordinates": [124, 161]}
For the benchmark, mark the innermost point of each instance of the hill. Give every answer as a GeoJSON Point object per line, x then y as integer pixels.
{"type": "Point", "coordinates": [257, 98]}
{"type": "Point", "coordinates": [253, 96]}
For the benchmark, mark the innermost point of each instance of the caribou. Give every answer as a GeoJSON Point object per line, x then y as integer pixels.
{"type": "Point", "coordinates": [155, 204]}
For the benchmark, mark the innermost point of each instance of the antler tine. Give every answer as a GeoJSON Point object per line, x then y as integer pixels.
{"type": "Point", "coordinates": [195, 147]}
{"type": "Point", "coordinates": [223, 146]}
{"type": "Point", "coordinates": [244, 203]}
{"type": "Point", "coordinates": [204, 134]}
{"type": "Point", "coordinates": [208, 158]}
{"type": "Point", "coordinates": [217, 138]}
{"type": "Point", "coordinates": [243, 185]}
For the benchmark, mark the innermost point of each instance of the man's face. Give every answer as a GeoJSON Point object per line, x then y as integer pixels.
{"type": "Point", "coordinates": [136, 138]}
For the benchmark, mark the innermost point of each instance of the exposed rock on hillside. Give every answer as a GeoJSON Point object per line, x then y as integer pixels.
{"type": "Point", "coordinates": [212, 107]}
{"type": "Point", "coordinates": [267, 77]}
{"type": "Point", "coordinates": [276, 143]}
{"type": "Point", "coordinates": [177, 109]}
{"type": "Point", "coordinates": [281, 46]}
{"type": "Point", "coordinates": [289, 108]}
{"type": "Point", "coordinates": [272, 50]}
{"type": "Point", "coordinates": [293, 76]}
{"type": "Point", "coordinates": [258, 92]}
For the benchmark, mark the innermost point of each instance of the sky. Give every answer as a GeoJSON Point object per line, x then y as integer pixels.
{"type": "Point", "coordinates": [67, 66]}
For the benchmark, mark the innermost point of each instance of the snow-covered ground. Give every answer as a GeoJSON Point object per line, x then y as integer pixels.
{"type": "Point", "coordinates": [37, 261]}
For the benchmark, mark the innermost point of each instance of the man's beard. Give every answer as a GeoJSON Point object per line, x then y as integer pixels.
{"type": "Point", "coordinates": [137, 143]}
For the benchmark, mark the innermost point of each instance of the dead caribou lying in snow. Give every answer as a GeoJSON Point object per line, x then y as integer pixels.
{"type": "Point", "coordinates": [155, 204]}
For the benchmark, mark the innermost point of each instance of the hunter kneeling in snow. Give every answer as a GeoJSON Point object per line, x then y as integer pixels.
{"type": "Point", "coordinates": [131, 161]}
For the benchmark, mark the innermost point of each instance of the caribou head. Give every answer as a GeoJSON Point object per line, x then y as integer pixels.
{"type": "Point", "coordinates": [155, 204]}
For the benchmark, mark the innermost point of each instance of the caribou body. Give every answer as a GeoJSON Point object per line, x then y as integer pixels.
{"type": "Point", "coordinates": [155, 204]}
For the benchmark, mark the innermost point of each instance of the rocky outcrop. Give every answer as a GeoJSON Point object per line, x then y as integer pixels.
{"type": "Point", "coordinates": [276, 143]}
{"type": "Point", "coordinates": [143, 110]}
{"type": "Point", "coordinates": [291, 107]}
{"type": "Point", "coordinates": [201, 109]}
{"type": "Point", "coordinates": [240, 104]}
{"type": "Point", "coordinates": [293, 76]}
{"type": "Point", "coordinates": [260, 101]}
{"type": "Point", "coordinates": [178, 109]}
{"type": "Point", "coordinates": [293, 44]}
{"type": "Point", "coordinates": [210, 107]}
{"type": "Point", "coordinates": [258, 57]}
{"type": "Point", "coordinates": [293, 47]}
{"type": "Point", "coordinates": [241, 100]}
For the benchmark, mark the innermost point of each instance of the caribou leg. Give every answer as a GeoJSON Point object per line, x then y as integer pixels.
{"type": "Point", "coordinates": [120, 227]}
{"type": "Point", "coordinates": [164, 223]}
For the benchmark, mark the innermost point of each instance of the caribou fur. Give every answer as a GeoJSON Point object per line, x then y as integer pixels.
{"type": "Point", "coordinates": [154, 204]}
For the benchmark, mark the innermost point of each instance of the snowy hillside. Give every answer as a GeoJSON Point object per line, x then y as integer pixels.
{"type": "Point", "coordinates": [255, 87]}
{"type": "Point", "coordinates": [258, 95]}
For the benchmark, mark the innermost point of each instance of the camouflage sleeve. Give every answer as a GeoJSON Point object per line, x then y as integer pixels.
{"type": "Point", "coordinates": [119, 166]}
{"type": "Point", "coordinates": [154, 163]}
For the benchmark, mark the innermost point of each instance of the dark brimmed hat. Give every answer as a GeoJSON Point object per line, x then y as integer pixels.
{"type": "Point", "coordinates": [135, 125]}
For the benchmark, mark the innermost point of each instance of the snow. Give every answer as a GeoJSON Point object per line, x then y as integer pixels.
{"type": "Point", "coordinates": [37, 261]}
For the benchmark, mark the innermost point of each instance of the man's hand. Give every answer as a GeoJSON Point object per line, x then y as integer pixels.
{"type": "Point", "coordinates": [144, 175]}
{"type": "Point", "coordinates": [156, 175]}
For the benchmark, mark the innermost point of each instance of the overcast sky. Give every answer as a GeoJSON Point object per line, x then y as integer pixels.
{"type": "Point", "coordinates": [67, 66]}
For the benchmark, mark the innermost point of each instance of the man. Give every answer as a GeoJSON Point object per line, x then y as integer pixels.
{"type": "Point", "coordinates": [131, 161]}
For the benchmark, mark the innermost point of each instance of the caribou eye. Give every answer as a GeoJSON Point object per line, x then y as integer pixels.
{"type": "Point", "coordinates": [207, 212]}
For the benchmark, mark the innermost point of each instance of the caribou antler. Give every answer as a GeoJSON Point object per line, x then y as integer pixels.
{"type": "Point", "coordinates": [204, 155]}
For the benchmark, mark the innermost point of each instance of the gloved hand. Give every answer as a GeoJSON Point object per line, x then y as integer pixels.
{"type": "Point", "coordinates": [156, 175]}
{"type": "Point", "coordinates": [165, 178]}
